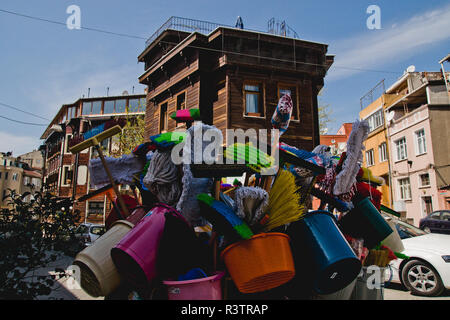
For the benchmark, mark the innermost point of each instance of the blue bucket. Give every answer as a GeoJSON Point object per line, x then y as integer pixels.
{"type": "Point", "coordinates": [320, 249]}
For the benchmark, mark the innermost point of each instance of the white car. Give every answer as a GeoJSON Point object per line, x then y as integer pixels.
{"type": "Point", "coordinates": [427, 271]}
{"type": "Point", "coordinates": [89, 232]}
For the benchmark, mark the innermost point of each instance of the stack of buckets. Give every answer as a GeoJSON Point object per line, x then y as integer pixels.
{"type": "Point", "coordinates": [312, 253]}
{"type": "Point", "coordinates": [128, 253]}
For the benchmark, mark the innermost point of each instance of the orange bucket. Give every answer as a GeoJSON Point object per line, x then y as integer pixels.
{"type": "Point", "coordinates": [260, 263]}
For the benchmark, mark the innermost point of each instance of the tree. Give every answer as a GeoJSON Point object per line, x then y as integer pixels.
{"type": "Point", "coordinates": [325, 114]}
{"type": "Point", "coordinates": [32, 235]}
{"type": "Point", "coordinates": [132, 135]}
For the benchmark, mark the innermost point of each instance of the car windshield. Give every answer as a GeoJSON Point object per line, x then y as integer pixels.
{"type": "Point", "coordinates": [98, 231]}
{"type": "Point", "coordinates": [406, 230]}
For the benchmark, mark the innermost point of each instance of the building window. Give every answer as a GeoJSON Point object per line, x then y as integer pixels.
{"type": "Point", "coordinates": [15, 176]}
{"type": "Point", "coordinates": [181, 101]}
{"type": "Point", "coordinates": [370, 160]}
{"type": "Point", "coordinates": [97, 107]}
{"type": "Point", "coordinates": [121, 106]}
{"type": "Point", "coordinates": [133, 105]}
{"type": "Point", "coordinates": [66, 143]}
{"type": "Point", "coordinates": [86, 108]}
{"type": "Point", "coordinates": [95, 208]}
{"type": "Point", "coordinates": [382, 151]}
{"type": "Point", "coordinates": [252, 94]}
{"type": "Point", "coordinates": [0, 175]}
{"type": "Point", "coordinates": [67, 176]}
{"type": "Point", "coordinates": [108, 107]}
{"type": "Point", "coordinates": [421, 146]}
{"type": "Point", "coordinates": [105, 149]}
{"type": "Point", "coordinates": [424, 180]}
{"type": "Point", "coordinates": [405, 189]}
{"type": "Point", "coordinates": [375, 120]}
{"type": "Point", "coordinates": [6, 175]}
{"type": "Point", "coordinates": [26, 180]}
{"type": "Point", "coordinates": [292, 91]}
{"type": "Point", "coordinates": [400, 145]}
{"type": "Point", "coordinates": [142, 104]}
{"type": "Point", "coordinates": [163, 118]}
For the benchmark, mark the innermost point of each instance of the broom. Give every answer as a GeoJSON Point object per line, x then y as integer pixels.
{"type": "Point", "coordinates": [223, 218]}
{"type": "Point", "coordinates": [284, 201]}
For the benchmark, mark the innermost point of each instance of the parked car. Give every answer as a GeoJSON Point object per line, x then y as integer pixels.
{"type": "Point", "coordinates": [436, 222]}
{"type": "Point", "coordinates": [89, 232]}
{"type": "Point", "coordinates": [427, 271]}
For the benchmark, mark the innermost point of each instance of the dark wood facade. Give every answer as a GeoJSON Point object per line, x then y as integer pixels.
{"type": "Point", "coordinates": [214, 71]}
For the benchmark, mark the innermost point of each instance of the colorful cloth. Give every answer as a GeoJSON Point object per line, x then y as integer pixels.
{"type": "Point", "coordinates": [282, 115]}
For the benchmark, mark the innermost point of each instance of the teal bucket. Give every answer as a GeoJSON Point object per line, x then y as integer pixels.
{"type": "Point", "coordinates": [320, 249]}
{"type": "Point", "coordinates": [365, 221]}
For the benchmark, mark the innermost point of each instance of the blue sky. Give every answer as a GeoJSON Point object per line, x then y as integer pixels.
{"type": "Point", "coordinates": [44, 65]}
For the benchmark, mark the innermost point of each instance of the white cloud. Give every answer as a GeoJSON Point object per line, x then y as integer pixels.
{"type": "Point", "coordinates": [18, 144]}
{"type": "Point", "coordinates": [377, 47]}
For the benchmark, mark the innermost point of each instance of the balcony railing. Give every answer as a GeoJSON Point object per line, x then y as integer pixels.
{"type": "Point", "coordinates": [187, 25]}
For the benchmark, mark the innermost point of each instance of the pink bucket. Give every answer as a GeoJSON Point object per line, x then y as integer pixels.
{"type": "Point", "coordinates": [136, 254]}
{"type": "Point", "coordinates": [137, 215]}
{"type": "Point", "coordinates": [198, 289]}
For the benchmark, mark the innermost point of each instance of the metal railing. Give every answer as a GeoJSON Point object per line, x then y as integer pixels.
{"type": "Point", "coordinates": [187, 25]}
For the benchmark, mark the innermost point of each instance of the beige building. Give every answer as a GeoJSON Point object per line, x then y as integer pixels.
{"type": "Point", "coordinates": [17, 176]}
{"type": "Point", "coordinates": [34, 159]}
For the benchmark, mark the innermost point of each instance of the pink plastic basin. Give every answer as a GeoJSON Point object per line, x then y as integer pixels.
{"type": "Point", "coordinates": [198, 289]}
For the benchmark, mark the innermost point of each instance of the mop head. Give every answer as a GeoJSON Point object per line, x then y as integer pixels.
{"type": "Point", "coordinates": [346, 178]}
{"type": "Point", "coordinates": [96, 130]}
{"type": "Point", "coordinates": [186, 115]}
{"type": "Point", "coordinates": [223, 217]}
{"type": "Point", "coordinates": [251, 204]}
{"type": "Point", "coordinates": [167, 140]}
{"type": "Point", "coordinates": [251, 156]}
{"type": "Point", "coordinates": [284, 201]}
{"type": "Point", "coordinates": [122, 170]}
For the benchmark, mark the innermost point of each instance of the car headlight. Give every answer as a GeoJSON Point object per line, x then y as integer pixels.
{"type": "Point", "coordinates": [446, 258]}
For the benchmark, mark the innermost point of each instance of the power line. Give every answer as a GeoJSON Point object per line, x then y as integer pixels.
{"type": "Point", "coordinates": [15, 108]}
{"type": "Point", "coordinates": [64, 24]}
{"type": "Point", "coordinates": [210, 49]}
{"type": "Point", "coordinates": [28, 123]}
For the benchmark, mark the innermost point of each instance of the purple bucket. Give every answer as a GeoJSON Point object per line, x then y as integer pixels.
{"type": "Point", "coordinates": [136, 254]}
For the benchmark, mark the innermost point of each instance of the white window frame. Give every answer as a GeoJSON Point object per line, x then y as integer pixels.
{"type": "Point", "coordinates": [66, 143]}
{"type": "Point", "coordinates": [416, 142]}
{"type": "Point", "coordinates": [396, 142]}
{"type": "Point", "coordinates": [372, 120]}
{"type": "Point", "coordinates": [382, 152]}
{"type": "Point", "coordinates": [400, 186]}
{"type": "Point", "coordinates": [63, 174]}
{"type": "Point", "coordinates": [372, 158]}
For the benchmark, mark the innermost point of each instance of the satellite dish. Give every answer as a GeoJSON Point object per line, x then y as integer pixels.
{"type": "Point", "coordinates": [342, 146]}
{"type": "Point", "coordinates": [125, 93]}
{"type": "Point", "coordinates": [390, 116]}
{"type": "Point", "coordinates": [411, 68]}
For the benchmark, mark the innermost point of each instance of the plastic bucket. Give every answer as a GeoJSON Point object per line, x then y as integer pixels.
{"type": "Point", "coordinates": [393, 241]}
{"type": "Point", "coordinates": [99, 276]}
{"type": "Point", "coordinates": [365, 221]}
{"type": "Point", "coordinates": [137, 215]}
{"type": "Point", "coordinates": [135, 255]}
{"type": "Point", "coordinates": [343, 294]}
{"type": "Point", "coordinates": [260, 263]}
{"type": "Point", "coordinates": [369, 285]}
{"type": "Point", "coordinates": [208, 288]}
{"type": "Point", "coordinates": [322, 252]}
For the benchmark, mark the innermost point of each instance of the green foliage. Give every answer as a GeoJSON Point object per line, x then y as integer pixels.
{"type": "Point", "coordinates": [33, 234]}
{"type": "Point", "coordinates": [132, 135]}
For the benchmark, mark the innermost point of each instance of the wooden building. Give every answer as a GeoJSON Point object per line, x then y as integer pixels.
{"type": "Point", "coordinates": [234, 76]}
